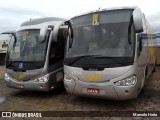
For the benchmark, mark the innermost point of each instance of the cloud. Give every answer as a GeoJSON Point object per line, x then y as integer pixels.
{"type": "Point", "coordinates": [154, 21]}
{"type": "Point", "coordinates": [13, 17]}
{"type": "Point", "coordinates": [20, 11]}
{"type": "Point", "coordinates": [13, 13]}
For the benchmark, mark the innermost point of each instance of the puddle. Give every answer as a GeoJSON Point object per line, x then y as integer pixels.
{"type": "Point", "coordinates": [2, 99]}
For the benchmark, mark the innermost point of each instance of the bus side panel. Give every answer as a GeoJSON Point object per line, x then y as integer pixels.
{"type": "Point", "coordinates": [142, 61]}
{"type": "Point", "coordinates": [151, 54]}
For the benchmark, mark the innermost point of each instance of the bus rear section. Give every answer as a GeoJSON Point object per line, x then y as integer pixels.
{"type": "Point", "coordinates": [35, 55]}
{"type": "Point", "coordinates": [105, 56]}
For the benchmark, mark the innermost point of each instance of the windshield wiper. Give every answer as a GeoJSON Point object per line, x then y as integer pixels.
{"type": "Point", "coordinates": [83, 56]}
{"type": "Point", "coordinates": [11, 62]}
{"type": "Point", "coordinates": [113, 58]}
{"type": "Point", "coordinates": [98, 56]}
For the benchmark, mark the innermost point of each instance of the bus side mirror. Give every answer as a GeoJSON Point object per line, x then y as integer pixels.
{"type": "Point", "coordinates": [43, 33]}
{"type": "Point", "coordinates": [56, 31]}
{"type": "Point", "coordinates": [70, 38]}
{"type": "Point", "coordinates": [137, 19]}
{"type": "Point", "coordinates": [70, 33]}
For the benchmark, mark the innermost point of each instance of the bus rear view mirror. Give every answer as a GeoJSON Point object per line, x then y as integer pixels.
{"type": "Point", "coordinates": [137, 19]}
{"type": "Point", "coordinates": [70, 33]}
{"type": "Point", "coordinates": [55, 31]}
{"type": "Point", "coordinates": [70, 38]}
{"type": "Point", "coordinates": [43, 33]}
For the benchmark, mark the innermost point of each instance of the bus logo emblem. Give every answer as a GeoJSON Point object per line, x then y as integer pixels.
{"type": "Point", "coordinates": [20, 65]}
{"type": "Point", "coordinates": [93, 77]}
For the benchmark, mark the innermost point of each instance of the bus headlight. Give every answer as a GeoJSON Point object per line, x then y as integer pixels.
{"type": "Point", "coordinates": [126, 82]}
{"type": "Point", "coordinates": [67, 78]}
{"type": "Point", "coordinates": [42, 79]}
{"type": "Point", "coordinates": [6, 77]}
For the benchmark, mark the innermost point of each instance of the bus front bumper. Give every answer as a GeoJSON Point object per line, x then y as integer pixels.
{"type": "Point", "coordinates": [101, 90]}
{"type": "Point", "coordinates": [27, 85]}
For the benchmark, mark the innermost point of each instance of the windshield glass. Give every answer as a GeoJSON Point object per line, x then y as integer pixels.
{"type": "Point", "coordinates": [27, 48]}
{"type": "Point", "coordinates": [105, 39]}
{"type": "Point", "coordinates": [103, 33]}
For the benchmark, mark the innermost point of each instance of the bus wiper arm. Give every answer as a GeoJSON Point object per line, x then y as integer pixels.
{"type": "Point", "coordinates": [23, 61]}
{"type": "Point", "coordinates": [80, 57]}
{"type": "Point", "coordinates": [113, 58]}
{"type": "Point", "coordinates": [11, 62]}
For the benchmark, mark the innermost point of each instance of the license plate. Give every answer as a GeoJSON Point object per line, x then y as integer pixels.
{"type": "Point", "coordinates": [20, 86]}
{"type": "Point", "coordinates": [93, 90]}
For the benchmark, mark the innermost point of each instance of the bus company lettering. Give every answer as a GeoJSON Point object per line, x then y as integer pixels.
{"type": "Point", "coordinates": [28, 114]}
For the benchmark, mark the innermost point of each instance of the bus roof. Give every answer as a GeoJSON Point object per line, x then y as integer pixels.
{"type": "Point", "coordinates": [41, 20]}
{"type": "Point", "coordinates": [106, 9]}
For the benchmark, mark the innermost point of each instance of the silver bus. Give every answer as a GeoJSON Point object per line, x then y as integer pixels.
{"type": "Point", "coordinates": [105, 56]}
{"type": "Point", "coordinates": [34, 60]}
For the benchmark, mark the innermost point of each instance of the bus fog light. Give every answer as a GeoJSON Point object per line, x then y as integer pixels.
{"type": "Point", "coordinates": [41, 86]}
{"type": "Point", "coordinates": [42, 79]}
{"type": "Point", "coordinates": [126, 82]}
{"type": "Point", "coordinates": [68, 79]}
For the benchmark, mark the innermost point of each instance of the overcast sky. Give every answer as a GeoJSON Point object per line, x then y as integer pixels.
{"type": "Point", "coordinates": [14, 12]}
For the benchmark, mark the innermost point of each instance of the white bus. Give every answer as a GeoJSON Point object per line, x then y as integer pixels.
{"type": "Point", "coordinates": [105, 57]}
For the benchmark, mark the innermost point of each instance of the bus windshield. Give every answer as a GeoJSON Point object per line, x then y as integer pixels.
{"type": "Point", "coordinates": [27, 48]}
{"type": "Point", "coordinates": [107, 37]}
